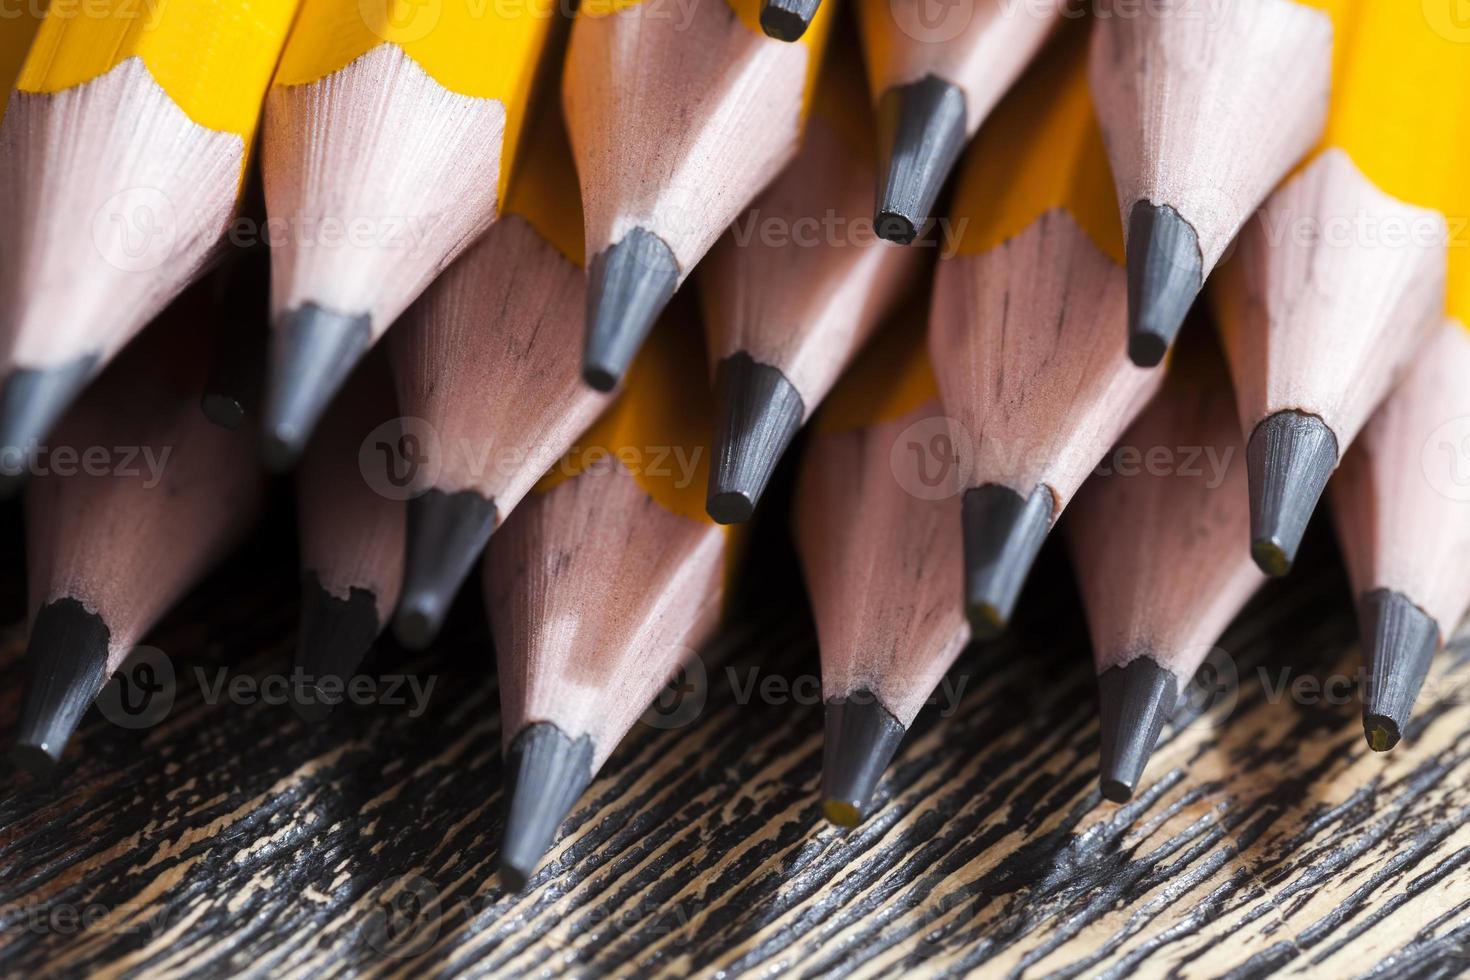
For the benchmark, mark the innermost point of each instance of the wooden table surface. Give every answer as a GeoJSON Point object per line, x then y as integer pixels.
{"type": "Point", "coordinates": [234, 838]}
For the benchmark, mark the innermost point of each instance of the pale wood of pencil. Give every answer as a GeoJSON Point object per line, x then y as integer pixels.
{"type": "Point", "coordinates": [597, 596]}
{"type": "Point", "coordinates": [112, 201]}
{"type": "Point", "coordinates": [883, 568]}
{"type": "Point", "coordinates": [982, 57]}
{"type": "Point", "coordinates": [1330, 293]}
{"type": "Point", "coordinates": [490, 357]}
{"type": "Point", "coordinates": [1206, 106]}
{"type": "Point", "coordinates": [1026, 342]}
{"type": "Point", "coordinates": [352, 536]}
{"type": "Point", "coordinates": [1157, 547]}
{"type": "Point", "coordinates": [677, 122]}
{"type": "Point", "coordinates": [1402, 495]}
{"type": "Point", "coordinates": [376, 177]}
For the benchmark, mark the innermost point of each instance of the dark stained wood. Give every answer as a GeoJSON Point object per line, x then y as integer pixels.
{"type": "Point", "coordinates": [237, 839]}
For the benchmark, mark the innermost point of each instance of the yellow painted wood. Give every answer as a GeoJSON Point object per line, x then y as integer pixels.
{"type": "Point", "coordinates": [15, 41]}
{"type": "Point", "coordinates": [891, 379]}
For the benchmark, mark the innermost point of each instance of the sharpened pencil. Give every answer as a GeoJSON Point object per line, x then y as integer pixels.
{"type": "Point", "coordinates": [676, 124]}
{"type": "Point", "coordinates": [882, 563]}
{"type": "Point", "coordinates": [1025, 322]}
{"type": "Point", "coordinates": [793, 291]}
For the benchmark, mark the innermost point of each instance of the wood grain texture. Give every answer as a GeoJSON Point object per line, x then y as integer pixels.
{"type": "Point", "coordinates": [232, 838]}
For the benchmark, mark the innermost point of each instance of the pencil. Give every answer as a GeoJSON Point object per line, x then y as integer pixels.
{"type": "Point", "coordinates": [882, 564]}
{"type": "Point", "coordinates": [109, 549]}
{"type": "Point", "coordinates": [676, 123]}
{"type": "Point", "coordinates": [793, 291]}
{"type": "Point", "coordinates": [1025, 320]}
{"type": "Point", "coordinates": [122, 156]}
{"type": "Point", "coordinates": [15, 44]}
{"type": "Point", "coordinates": [934, 80]}
{"type": "Point", "coordinates": [232, 386]}
{"type": "Point", "coordinates": [350, 521]}
{"type": "Point", "coordinates": [389, 136]}
{"type": "Point", "coordinates": [1324, 304]}
{"type": "Point", "coordinates": [1158, 561]}
{"type": "Point", "coordinates": [489, 360]}
{"type": "Point", "coordinates": [600, 586]}
{"type": "Point", "coordinates": [1204, 107]}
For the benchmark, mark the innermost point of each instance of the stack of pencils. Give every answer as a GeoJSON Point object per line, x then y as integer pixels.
{"type": "Point", "coordinates": [962, 270]}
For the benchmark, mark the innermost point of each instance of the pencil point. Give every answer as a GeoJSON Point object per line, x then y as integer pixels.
{"type": "Point", "coordinates": [1135, 700]}
{"type": "Point", "coordinates": [861, 738]}
{"type": "Point", "coordinates": [759, 413]}
{"type": "Point", "coordinates": [335, 636]}
{"type": "Point", "coordinates": [446, 534]}
{"type": "Point", "coordinates": [921, 133]}
{"type": "Point", "coordinates": [1165, 274]}
{"type": "Point", "coordinates": [1399, 640]}
{"type": "Point", "coordinates": [66, 666]}
{"type": "Point", "coordinates": [546, 772]}
{"type": "Point", "coordinates": [628, 286]}
{"type": "Point", "coordinates": [1289, 459]}
{"type": "Point", "coordinates": [1003, 533]}
{"type": "Point", "coordinates": [312, 353]}
{"type": "Point", "coordinates": [787, 20]}
{"type": "Point", "coordinates": [31, 402]}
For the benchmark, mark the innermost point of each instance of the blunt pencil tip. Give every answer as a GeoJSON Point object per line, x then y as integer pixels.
{"type": "Point", "coordinates": [335, 636]}
{"type": "Point", "coordinates": [446, 534]}
{"type": "Point", "coordinates": [1399, 641]}
{"type": "Point", "coordinates": [547, 771]}
{"type": "Point", "coordinates": [628, 286]}
{"type": "Point", "coordinates": [32, 400]}
{"type": "Point", "coordinates": [787, 20]}
{"type": "Point", "coordinates": [759, 413]}
{"type": "Point", "coordinates": [921, 133]}
{"type": "Point", "coordinates": [1003, 533]}
{"type": "Point", "coordinates": [1289, 459]}
{"type": "Point", "coordinates": [66, 666]}
{"type": "Point", "coordinates": [1134, 701]}
{"type": "Point", "coordinates": [861, 738]}
{"type": "Point", "coordinates": [224, 410]}
{"type": "Point", "coordinates": [1165, 274]}
{"type": "Point", "coordinates": [313, 350]}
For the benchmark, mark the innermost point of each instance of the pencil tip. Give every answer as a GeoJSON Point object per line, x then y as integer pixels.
{"type": "Point", "coordinates": [1289, 459]}
{"type": "Point", "coordinates": [547, 771]}
{"type": "Point", "coordinates": [223, 409]}
{"type": "Point", "coordinates": [446, 534]}
{"type": "Point", "coordinates": [628, 286]}
{"type": "Point", "coordinates": [787, 20]}
{"type": "Point", "coordinates": [1165, 274]}
{"type": "Point", "coordinates": [1135, 700]}
{"type": "Point", "coordinates": [312, 353]}
{"type": "Point", "coordinates": [1399, 640]}
{"type": "Point", "coordinates": [921, 132]}
{"type": "Point", "coordinates": [1003, 533]}
{"type": "Point", "coordinates": [66, 666]}
{"type": "Point", "coordinates": [335, 636]}
{"type": "Point", "coordinates": [861, 738]}
{"type": "Point", "coordinates": [759, 413]}
{"type": "Point", "coordinates": [31, 402]}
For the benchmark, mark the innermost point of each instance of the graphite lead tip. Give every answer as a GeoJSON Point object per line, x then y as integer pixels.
{"type": "Point", "coordinates": [921, 133]}
{"type": "Point", "coordinates": [547, 771]}
{"type": "Point", "coordinates": [861, 739]}
{"type": "Point", "coordinates": [1003, 533]}
{"type": "Point", "coordinates": [759, 413]}
{"type": "Point", "coordinates": [31, 402]}
{"type": "Point", "coordinates": [1135, 701]}
{"type": "Point", "coordinates": [787, 20]}
{"type": "Point", "coordinates": [628, 286]}
{"type": "Point", "coordinates": [1165, 274]}
{"type": "Point", "coordinates": [1399, 640]}
{"type": "Point", "coordinates": [66, 666]}
{"type": "Point", "coordinates": [335, 635]}
{"type": "Point", "coordinates": [1289, 459]}
{"type": "Point", "coordinates": [313, 350]}
{"type": "Point", "coordinates": [446, 533]}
